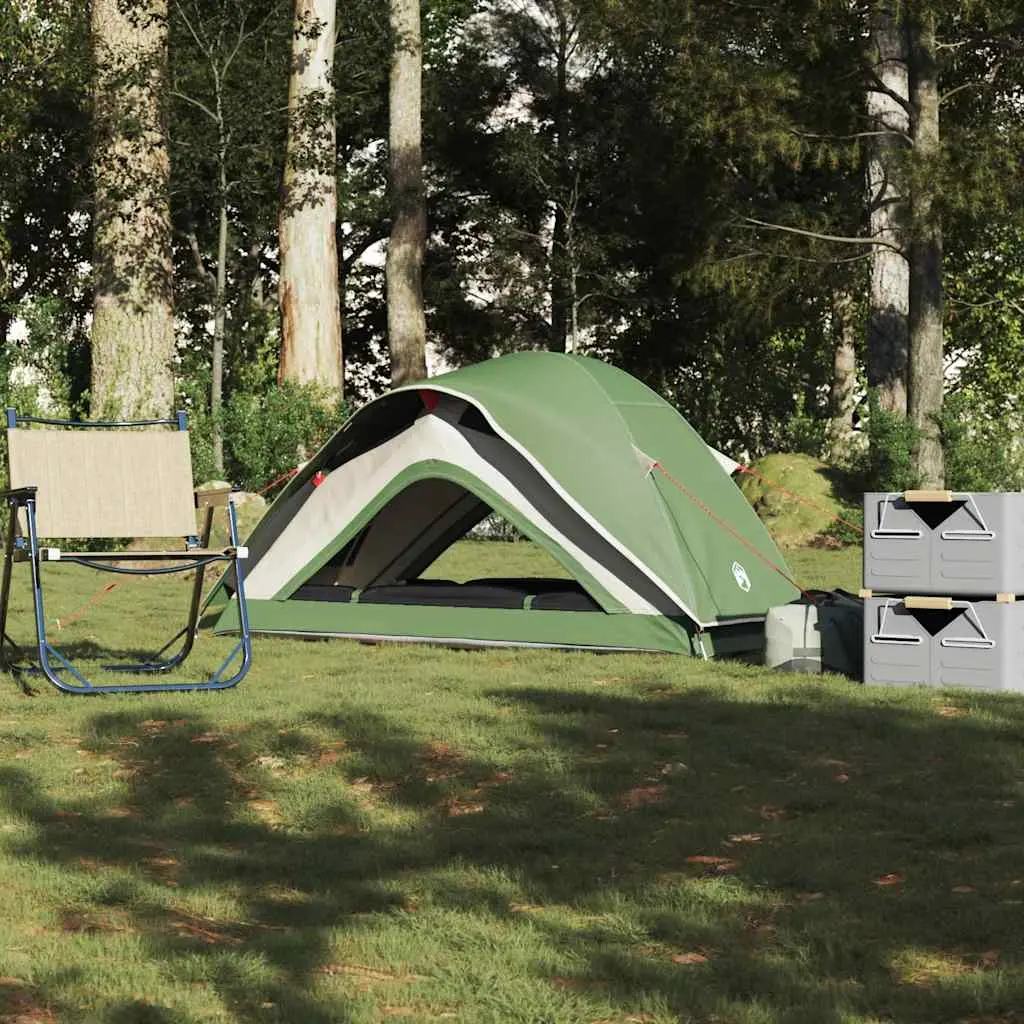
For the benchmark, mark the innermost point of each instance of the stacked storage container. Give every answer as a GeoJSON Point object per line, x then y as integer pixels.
{"type": "Point", "coordinates": [943, 571]}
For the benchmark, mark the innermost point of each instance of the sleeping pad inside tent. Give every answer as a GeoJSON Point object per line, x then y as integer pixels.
{"type": "Point", "coordinates": [662, 551]}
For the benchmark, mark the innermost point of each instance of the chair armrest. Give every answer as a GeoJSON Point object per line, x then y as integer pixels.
{"type": "Point", "coordinates": [18, 495]}
{"type": "Point", "coordinates": [213, 498]}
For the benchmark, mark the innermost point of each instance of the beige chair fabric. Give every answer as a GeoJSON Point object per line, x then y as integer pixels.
{"type": "Point", "coordinates": [106, 483]}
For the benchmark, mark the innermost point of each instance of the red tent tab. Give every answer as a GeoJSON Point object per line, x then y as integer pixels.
{"type": "Point", "coordinates": [430, 399]}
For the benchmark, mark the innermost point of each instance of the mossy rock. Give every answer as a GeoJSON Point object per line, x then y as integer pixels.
{"type": "Point", "coordinates": [797, 497]}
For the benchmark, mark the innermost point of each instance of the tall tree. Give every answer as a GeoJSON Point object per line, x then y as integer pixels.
{"type": "Point", "coordinates": [219, 61]}
{"type": "Point", "coordinates": [516, 127]}
{"type": "Point", "coordinates": [407, 325]}
{"type": "Point", "coordinates": [311, 346]}
{"type": "Point", "coordinates": [132, 328]}
{"type": "Point", "coordinates": [843, 395]}
{"type": "Point", "coordinates": [565, 43]}
{"type": "Point", "coordinates": [926, 292]}
{"type": "Point", "coordinates": [551, 53]}
{"type": "Point", "coordinates": [738, 126]}
{"type": "Point", "coordinates": [888, 107]}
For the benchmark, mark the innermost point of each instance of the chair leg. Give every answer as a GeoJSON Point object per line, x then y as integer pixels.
{"type": "Point", "coordinates": [245, 640]}
{"type": "Point", "coordinates": [48, 654]}
{"type": "Point", "coordinates": [197, 587]}
{"type": "Point", "coordinates": [43, 648]}
{"type": "Point", "coordinates": [17, 663]}
{"type": "Point", "coordinates": [5, 586]}
{"type": "Point", "coordinates": [197, 595]}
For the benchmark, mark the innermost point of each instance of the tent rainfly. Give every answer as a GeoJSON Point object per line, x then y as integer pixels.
{"type": "Point", "coordinates": [662, 551]}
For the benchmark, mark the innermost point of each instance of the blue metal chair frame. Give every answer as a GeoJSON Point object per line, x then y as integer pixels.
{"type": "Point", "coordinates": [196, 556]}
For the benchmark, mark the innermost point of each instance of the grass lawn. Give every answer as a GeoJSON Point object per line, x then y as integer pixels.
{"type": "Point", "coordinates": [399, 833]}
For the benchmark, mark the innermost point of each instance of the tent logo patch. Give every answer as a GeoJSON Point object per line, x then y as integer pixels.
{"type": "Point", "coordinates": [739, 574]}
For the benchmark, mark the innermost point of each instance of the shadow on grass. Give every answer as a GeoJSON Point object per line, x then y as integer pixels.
{"type": "Point", "coordinates": [102, 664]}
{"type": "Point", "coordinates": [814, 859]}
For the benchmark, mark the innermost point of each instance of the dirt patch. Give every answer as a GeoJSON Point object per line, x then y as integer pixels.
{"type": "Point", "coordinates": [643, 796]}
{"type": "Point", "coordinates": [441, 761]}
{"type": "Point", "coordinates": [20, 1005]}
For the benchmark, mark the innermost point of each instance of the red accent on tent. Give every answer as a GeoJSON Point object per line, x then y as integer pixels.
{"type": "Point", "coordinates": [318, 478]}
{"type": "Point", "coordinates": [430, 399]}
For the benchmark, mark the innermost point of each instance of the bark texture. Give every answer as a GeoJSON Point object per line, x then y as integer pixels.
{"type": "Point", "coordinates": [889, 303]}
{"type": "Point", "coordinates": [841, 434]}
{"type": "Point", "coordinates": [220, 280]}
{"type": "Point", "coordinates": [407, 326]}
{"type": "Point", "coordinates": [132, 327]}
{"type": "Point", "coordinates": [219, 325]}
{"type": "Point", "coordinates": [926, 299]}
{"type": "Point", "coordinates": [562, 301]}
{"type": "Point", "coordinates": [308, 292]}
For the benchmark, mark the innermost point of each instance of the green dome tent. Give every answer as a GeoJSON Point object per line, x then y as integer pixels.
{"type": "Point", "coordinates": [664, 552]}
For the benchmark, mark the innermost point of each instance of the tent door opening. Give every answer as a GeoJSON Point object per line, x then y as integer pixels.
{"type": "Point", "coordinates": [385, 562]}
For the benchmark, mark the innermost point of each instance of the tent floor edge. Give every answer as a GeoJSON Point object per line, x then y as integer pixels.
{"type": "Point", "coordinates": [489, 627]}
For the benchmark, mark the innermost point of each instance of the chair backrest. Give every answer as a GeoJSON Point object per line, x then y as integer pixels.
{"type": "Point", "coordinates": [99, 482]}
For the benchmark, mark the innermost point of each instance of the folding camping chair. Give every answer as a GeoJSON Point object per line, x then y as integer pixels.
{"type": "Point", "coordinates": [112, 480]}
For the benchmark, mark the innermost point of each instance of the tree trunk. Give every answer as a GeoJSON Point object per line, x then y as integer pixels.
{"type": "Point", "coordinates": [219, 317]}
{"type": "Point", "coordinates": [407, 327]}
{"type": "Point", "coordinates": [308, 288]}
{"type": "Point", "coordinates": [132, 326]}
{"type": "Point", "coordinates": [220, 282]}
{"type": "Point", "coordinates": [560, 236]}
{"type": "Point", "coordinates": [573, 340]}
{"type": "Point", "coordinates": [559, 291]}
{"type": "Point", "coordinates": [889, 303]}
{"type": "Point", "coordinates": [926, 300]}
{"type": "Point", "coordinates": [844, 380]}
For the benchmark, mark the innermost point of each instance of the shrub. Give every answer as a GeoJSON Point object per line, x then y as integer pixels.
{"type": "Point", "coordinates": [887, 463]}
{"type": "Point", "coordinates": [803, 434]}
{"type": "Point", "coordinates": [265, 435]}
{"type": "Point", "coordinates": [982, 452]}
{"type": "Point", "coordinates": [193, 396]}
{"type": "Point", "coordinates": [495, 527]}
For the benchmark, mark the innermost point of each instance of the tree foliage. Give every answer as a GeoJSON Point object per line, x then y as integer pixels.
{"type": "Point", "coordinates": [679, 188]}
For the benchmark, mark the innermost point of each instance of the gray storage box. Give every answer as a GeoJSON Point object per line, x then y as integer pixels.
{"type": "Point", "coordinates": [821, 635]}
{"type": "Point", "coordinates": [942, 542]}
{"type": "Point", "coordinates": [944, 642]}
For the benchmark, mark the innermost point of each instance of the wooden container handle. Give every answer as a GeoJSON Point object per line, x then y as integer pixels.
{"type": "Point", "coordinates": [943, 604]}
{"type": "Point", "coordinates": [910, 496]}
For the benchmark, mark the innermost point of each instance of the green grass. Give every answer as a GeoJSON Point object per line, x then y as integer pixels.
{"type": "Point", "coordinates": [363, 834]}
{"type": "Point", "coordinates": [470, 559]}
{"type": "Point", "coordinates": [827, 569]}
{"type": "Point", "coordinates": [823, 568]}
